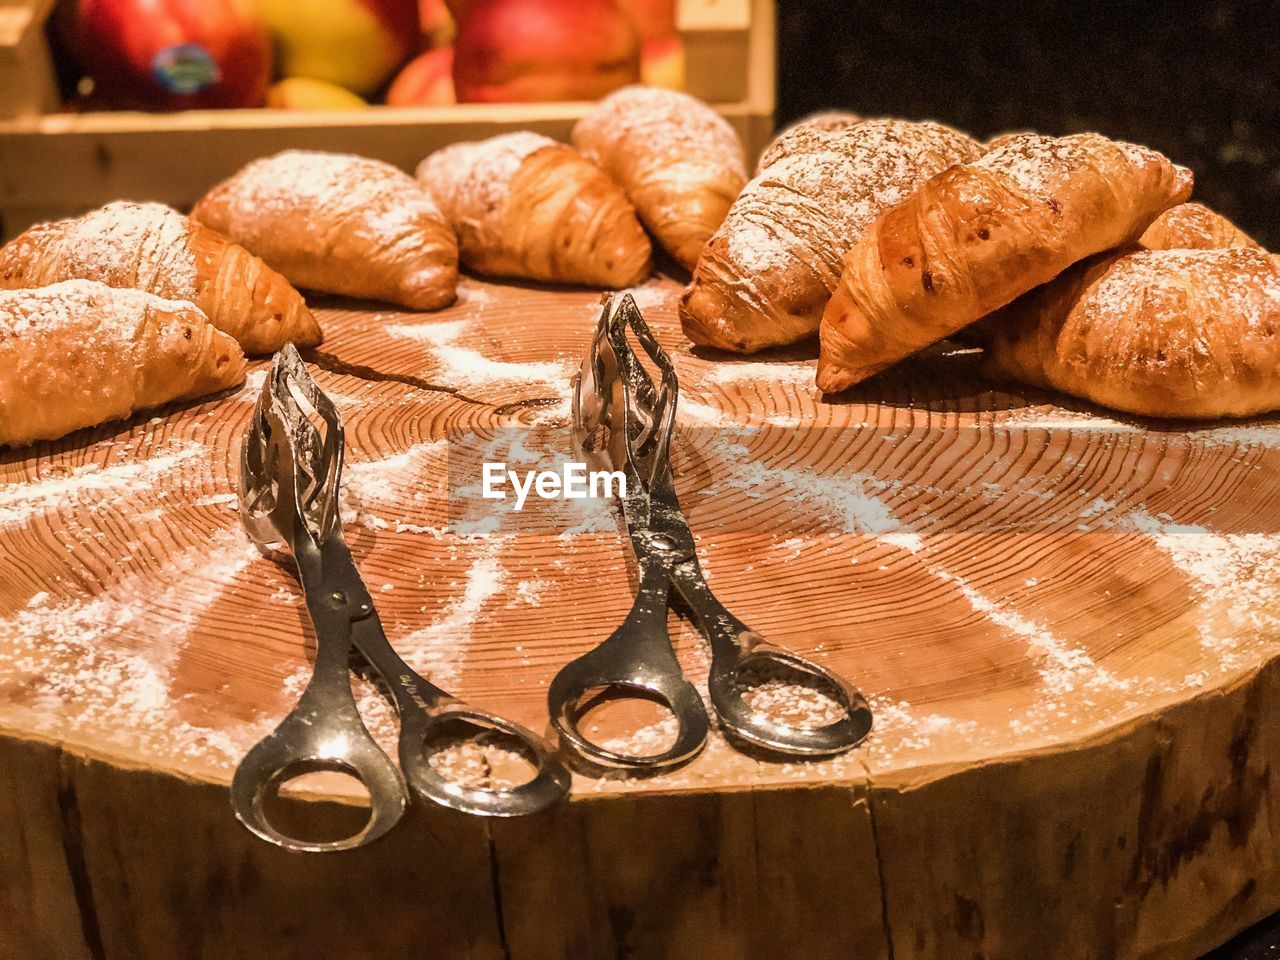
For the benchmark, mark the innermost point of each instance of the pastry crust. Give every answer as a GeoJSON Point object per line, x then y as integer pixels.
{"type": "Point", "coordinates": [340, 224]}
{"type": "Point", "coordinates": [978, 235]}
{"type": "Point", "coordinates": [79, 353]}
{"type": "Point", "coordinates": [1163, 333]}
{"type": "Point", "coordinates": [524, 205]}
{"type": "Point", "coordinates": [766, 275]}
{"type": "Point", "coordinates": [678, 161]}
{"type": "Point", "coordinates": [1188, 226]}
{"type": "Point", "coordinates": [826, 121]}
{"type": "Point", "coordinates": [1193, 226]}
{"type": "Point", "coordinates": [150, 247]}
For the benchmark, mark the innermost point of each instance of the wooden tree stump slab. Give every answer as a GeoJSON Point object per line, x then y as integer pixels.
{"type": "Point", "coordinates": [1066, 622]}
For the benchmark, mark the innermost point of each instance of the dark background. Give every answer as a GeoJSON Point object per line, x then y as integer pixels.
{"type": "Point", "coordinates": [1198, 81]}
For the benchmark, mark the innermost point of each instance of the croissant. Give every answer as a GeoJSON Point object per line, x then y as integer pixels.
{"type": "Point", "coordinates": [766, 275]}
{"type": "Point", "coordinates": [80, 353]}
{"type": "Point", "coordinates": [1164, 333]}
{"type": "Point", "coordinates": [149, 247]}
{"type": "Point", "coordinates": [1188, 226]}
{"type": "Point", "coordinates": [526, 206]}
{"type": "Point", "coordinates": [976, 236]}
{"type": "Point", "coordinates": [826, 121]}
{"type": "Point", "coordinates": [1193, 226]}
{"type": "Point", "coordinates": [341, 224]}
{"type": "Point", "coordinates": [677, 160]}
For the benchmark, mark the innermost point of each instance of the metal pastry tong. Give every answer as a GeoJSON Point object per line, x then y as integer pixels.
{"type": "Point", "coordinates": [622, 419]}
{"type": "Point", "coordinates": [289, 480]}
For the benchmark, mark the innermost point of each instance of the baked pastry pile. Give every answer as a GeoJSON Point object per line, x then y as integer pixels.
{"type": "Point", "coordinates": [977, 235]}
{"type": "Point", "coordinates": [767, 273]}
{"type": "Point", "coordinates": [1076, 261]}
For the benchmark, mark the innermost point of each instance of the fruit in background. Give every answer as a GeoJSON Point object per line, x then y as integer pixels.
{"type": "Point", "coordinates": [661, 49]}
{"type": "Point", "coordinates": [303, 93]}
{"type": "Point", "coordinates": [662, 63]}
{"type": "Point", "coordinates": [427, 80]}
{"type": "Point", "coordinates": [532, 50]}
{"type": "Point", "coordinates": [356, 44]}
{"type": "Point", "coordinates": [436, 22]}
{"type": "Point", "coordinates": [172, 54]}
{"type": "Point", "coordinates": [460, 8]}
{"type": "Point", "coordinates": [653, 18]}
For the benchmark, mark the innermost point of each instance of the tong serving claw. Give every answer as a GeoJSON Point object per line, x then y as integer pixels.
{"type": "Point", "coordinates": [621, 417]}
{"type": "Point", "coordinates": [290, 476]}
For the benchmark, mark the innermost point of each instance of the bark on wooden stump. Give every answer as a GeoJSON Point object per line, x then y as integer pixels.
{"type": "Point", "coordinates": [1067, 624]}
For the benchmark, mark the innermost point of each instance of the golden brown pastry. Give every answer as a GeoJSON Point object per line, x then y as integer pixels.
{"type": "Point", "coordinates": [978, 235]}
{"type": "Point", "coordinates": [1163, 333]}
{"type": "Point", "coordinates": [79, 353]}
{"type": "Point", "coordinates": [341, 224]}
{"type": "Point", "coordinates": [149, 247]}
{"type": "Point", "coordinates": [526, 206]}
{"type": "Point", "coordinates": [1188, 226]}
{"type": "Point", "coordinates": [1193, 226]}
{"type": "Point", "coordinates": [826, 121]}
{"type": "Point", "coordinates": [677, 160]}
{"type": "Point", "coordinates": [766, 275]}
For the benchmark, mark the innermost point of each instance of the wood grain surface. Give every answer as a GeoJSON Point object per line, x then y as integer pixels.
{"type": "Point", "coordinates": [1066, 622]}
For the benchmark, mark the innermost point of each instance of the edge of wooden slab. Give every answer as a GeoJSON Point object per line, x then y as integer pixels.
{"type": "Point", "coordinates": [1174, 822]}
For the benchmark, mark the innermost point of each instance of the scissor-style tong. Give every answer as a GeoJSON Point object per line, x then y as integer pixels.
{"type": "Point", "coordinates": [289, 481]}
{"type": "Point", "coordinates": [622, 418]}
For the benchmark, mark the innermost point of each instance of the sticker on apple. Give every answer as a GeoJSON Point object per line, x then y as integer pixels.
{"type": "Point", "coordinates": [185, 68]}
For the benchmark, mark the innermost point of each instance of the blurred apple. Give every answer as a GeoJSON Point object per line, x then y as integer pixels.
{"type": "Point", "coordinates": [427, 80]}
{"type": "Point", "coordinates": [304, 93]}
{"type": "Point", "coordinates": [436, 22]}
{"type": "Point", "coordinates": [662, 62]}
{"type": "Point", "coordinates": [460, 8]}
{"type": "Point", "coordinates": [356, 44]}
{"type": "Point", "coordinates": [171, 54]}
{"type": "Point", "coordinates": [533, 50]}
{"type": "Point", "coordinates": [653, 18]}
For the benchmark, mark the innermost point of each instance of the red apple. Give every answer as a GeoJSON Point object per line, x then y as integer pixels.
{"type": "Point", "coordinates": [460, 8]}
{"type": "Point", "coordinates": [427, 80]}
{"type": "Point", "coordinates": [653, 18]}
{"type": "Point", "coordinates": [532, 50]}
{"type": "Point", "coordinates": [172, 54]}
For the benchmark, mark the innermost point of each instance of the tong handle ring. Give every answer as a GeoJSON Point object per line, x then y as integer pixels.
{"type": "Point", "coordinates": [741, 719]}
{"type": "Point", "coordinates": [636, 672]}
{"type": "Point", "coordinates": [323, 732]}
{"type": "Point", "coordinates": [419, 729]}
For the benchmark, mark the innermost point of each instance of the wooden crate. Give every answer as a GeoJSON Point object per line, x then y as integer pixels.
{"type": "Point", "coordinates": [61, 164]}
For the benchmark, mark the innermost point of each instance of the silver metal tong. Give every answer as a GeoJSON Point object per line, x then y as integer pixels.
{"type": "Point", "coordinates": [622, 418]}
{"type": "Point", "coordinates": [289, 481]}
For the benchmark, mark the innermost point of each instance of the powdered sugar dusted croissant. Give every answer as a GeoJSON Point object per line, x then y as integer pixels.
{"type": "Point", "coordinates": [149, 247]}
{"type": "Point", "coordinates": [1193, 226]}
{"type": "Point", "coordinates": [825, 121]}
{"type": "Point", "coordinates": [341, 224]}
{"type": "Point", "coordinates": [678, 161]}
{"type": "Point", "coordinates": [1164, 333]}
{"type": "Point", "coordinates": [1188, 226]}
{"type": "Point", "coordinates": [766, 275]}
{"type": "Point", "coordinates": [79, 353]}
{"type": "Point", "coordinates": [978, 235]}
{"type": "Point", "coordinates": [526, 206]}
